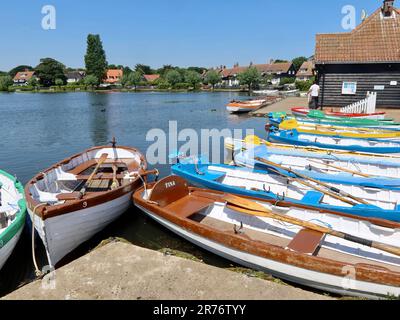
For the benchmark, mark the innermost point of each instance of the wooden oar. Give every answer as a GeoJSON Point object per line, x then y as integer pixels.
{"type": "Point", "coordinates": [341, 169]}
{"type": "Point", "coordinates": [335, 190]}
{"type": "Point", "coordinates": [308, 225]}
{"type": "Point", "coordinates": [102, 159]}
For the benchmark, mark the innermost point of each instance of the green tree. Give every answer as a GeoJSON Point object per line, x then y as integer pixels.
{"type": "Point", "coordinates": [297, 62]}
{"type": "Point", "coordinates": [91, 81]}
{"type": "Point", "coordinates": [165, 69]}
{"type": "Point", "coordinates": [193, 78]}
{"type": "Point", "coordinates": [49, 70]}
{"type": "Point", "coordinates": [127, 70]}
{"type": "Point", "coordinates": [143, 69]}
{"type": "Point", "coordinates": [213, 78]}
{"type": "Point", "coordinates": [135, 78]}
{"type": "Point", "coordinates": [5, 82]}
{"type": "Point", "coordinates": [95, 58]}
{"type": "Point", "coordinates": [59, 82]}
{"type": "Point", "coordinates": [173, 77]}
{"type": "Point", "coordinates": [33, 82]}
{"type": "Point", "coordinates": [15, 70]}
{"type": "Point", "coordinates": [199, 70]}
{"type": "Point", "coordinates": [251, 77]}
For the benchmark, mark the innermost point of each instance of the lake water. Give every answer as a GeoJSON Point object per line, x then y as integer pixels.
{"type": "Point", "coordinates": [39, 130]}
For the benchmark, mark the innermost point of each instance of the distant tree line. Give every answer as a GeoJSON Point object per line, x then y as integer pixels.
{"type": "Point", "coordinates": [51, 73]}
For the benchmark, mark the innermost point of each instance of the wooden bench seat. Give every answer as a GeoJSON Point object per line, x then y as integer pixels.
{"type": "Point", "coordinates": [189, 205]}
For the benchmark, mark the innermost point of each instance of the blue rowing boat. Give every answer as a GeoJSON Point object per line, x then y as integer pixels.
{"type": "Point", "coordinates": [293, 137]}
{"type": "Point", "coordinates": [333, 168]}
{"type": "Point", "coordinates": [382, 203]}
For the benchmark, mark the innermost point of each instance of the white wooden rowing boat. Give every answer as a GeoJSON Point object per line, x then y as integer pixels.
{"type": "Point", "coordinates": [286, 250]}
{"type": "Point", "coordinates": [67, 207]}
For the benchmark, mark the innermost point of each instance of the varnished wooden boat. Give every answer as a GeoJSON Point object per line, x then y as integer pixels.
{"type": "Point", "coordinates": [227, 226]}
{"type": "Point", "coordinates": [12, 214]}
{"type": "Point", "coordinates": [245, 106]}
{"type": "Point", "coordinates": [79, 196]}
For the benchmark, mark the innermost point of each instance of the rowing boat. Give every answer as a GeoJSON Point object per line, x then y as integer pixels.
{"type": "Point", "coordinates": [277, 117]}
{"type": "Point", "coordinates": [304, 112]}
{"type": "Point", "coordinates": [311, 248]}
{"type": "Point", "coordinates": [245, 106]}
{"type": "Point", "coordinates": [338, 131]}
{"type": "Point", "coordinates": [329, 168]}
{"type": "Point", "coordinates": [294, 137]}
{"type": "Point", "coordinates": [281, 185]}
{"type": "Point", "coordinates": [76, 198]}
{"type": "Point", "coordinates": [12, 214]}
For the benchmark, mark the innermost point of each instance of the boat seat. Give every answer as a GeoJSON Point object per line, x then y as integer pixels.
{"type": "Point", "coordinates": [312, 197]}
{"type": "Point", "coordinates": [69, 196]}
{"type": "Point", "coordinates": [100, 176]}
{"type": "Point", "coordinates": [82, 167]}
{"type": "Point", "coordinates": [306, 241]}
{"type": "Point", "coordinates": [189, 205]}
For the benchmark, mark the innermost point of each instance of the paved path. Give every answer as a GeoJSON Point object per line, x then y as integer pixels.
{"type": "Point", "coordinates": [283, 105]}
{"type": "Point", "coordinates": [124, 271]}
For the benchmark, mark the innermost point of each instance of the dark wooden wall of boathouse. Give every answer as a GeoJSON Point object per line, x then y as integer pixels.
{"type": "Point", "coordinates": [367, 76]}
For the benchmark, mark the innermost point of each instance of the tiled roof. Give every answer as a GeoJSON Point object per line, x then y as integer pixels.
{"type": "Point", "coordinates": [24, 75]}
{"type": "Point", "coordinates": [263, 68]}
{"type": "Point", "coordinates": [114, 75]}
{"type": "Point", "coordinates": [375, 40]}
{"type": "Point", "coordinates": [75, 75]}
{"type": "Point", "coordinates": [151, 77]}
{"type": "Point", "coordinates": [306, 69]}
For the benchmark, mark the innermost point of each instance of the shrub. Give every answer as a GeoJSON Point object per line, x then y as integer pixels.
{"type": "Point", "coordinates": [181, 86]}
{"type": "Point", "coordinates": [304, 85]}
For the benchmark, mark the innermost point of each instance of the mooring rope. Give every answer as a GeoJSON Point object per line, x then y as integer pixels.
{"type": "Point", "coordinates": [37, 271]}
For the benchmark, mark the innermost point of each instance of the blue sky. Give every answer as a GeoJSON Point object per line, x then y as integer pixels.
{"type": "Point", "coordinates": [178, 32]}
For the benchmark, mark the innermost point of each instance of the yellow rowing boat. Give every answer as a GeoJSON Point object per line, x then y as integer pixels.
{"type": "Point", "coordinates": [329, 130]}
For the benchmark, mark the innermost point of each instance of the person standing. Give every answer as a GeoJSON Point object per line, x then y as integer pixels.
{"type": "Point", "coordinates": [313, 93]}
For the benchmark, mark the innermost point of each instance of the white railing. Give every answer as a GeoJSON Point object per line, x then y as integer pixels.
{"type": "Point", "coordinates": [367, 105]}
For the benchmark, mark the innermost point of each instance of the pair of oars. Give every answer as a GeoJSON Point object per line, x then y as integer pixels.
{"type": "Point", "coordinates": [253, 208]}
{"type": "Point", "coordinates": [101, 160]}
{"type": "Point", "coordinates": [332, 191]}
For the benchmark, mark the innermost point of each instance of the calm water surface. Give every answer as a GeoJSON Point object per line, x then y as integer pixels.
{"type": "Point", "coordinates": [39, 130]}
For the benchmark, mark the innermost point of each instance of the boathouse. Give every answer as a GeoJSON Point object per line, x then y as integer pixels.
{"type": "Point", "coordinates": [365, 59]}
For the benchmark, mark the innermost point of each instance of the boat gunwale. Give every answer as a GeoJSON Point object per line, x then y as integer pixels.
{"type": "Point", "coordinates": [46, 212]}
{"type": "Point", "coordinates": [363, 272]}
{"type": "Point", "coordinates": [20, 216]}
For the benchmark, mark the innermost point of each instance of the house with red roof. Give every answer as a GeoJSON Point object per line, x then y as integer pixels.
{"type": "Point", "coordinates": [150, 78]}
{"type": "Point", "coordinates": [113, 76]}
{"type": "Point", "coordinates": [275, 71]}
{"type": "Point", "coordinates": [366, 59]}
{"type": "Point", "coordinates": [306, 71]}
{"type": "Point", "coordinates": [22, 78]}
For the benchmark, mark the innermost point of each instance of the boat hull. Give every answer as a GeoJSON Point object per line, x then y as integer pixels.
{"type": "Point", "coordinates": [302, 276]}
{"type": "Point", "coordinates": [62, 234]}
{"type": "Point", "coordinates": [8, 248]}
{"type": "Point", "coordinates": [303, 112]}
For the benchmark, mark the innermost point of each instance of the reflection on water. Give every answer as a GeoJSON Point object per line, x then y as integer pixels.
{"type": "Point", "coordinates": [99, 113]}
{"type": "Point", "coordinates": [42, 129]}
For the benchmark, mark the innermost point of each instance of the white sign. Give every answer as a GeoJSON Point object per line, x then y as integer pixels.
{"type": "Point", "coordinates": [393, 83]}
{"type": "Point", "coordinates": [379, 87]}
{"type": "Point", "coordinates": [349, 88]}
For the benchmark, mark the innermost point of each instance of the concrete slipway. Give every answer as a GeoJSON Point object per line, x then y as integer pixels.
{"type": "Point", "coordinates": [119, 270]}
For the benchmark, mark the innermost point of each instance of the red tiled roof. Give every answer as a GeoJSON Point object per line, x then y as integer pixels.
{"type": "Point", "coordinates": [24, 75]}
{"type": "Point", "coordinates": [375, 40]}
{"type": "Point", "coordinates": [114, 75]}
{"type": "Point", "coordinates": [151, 77]}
